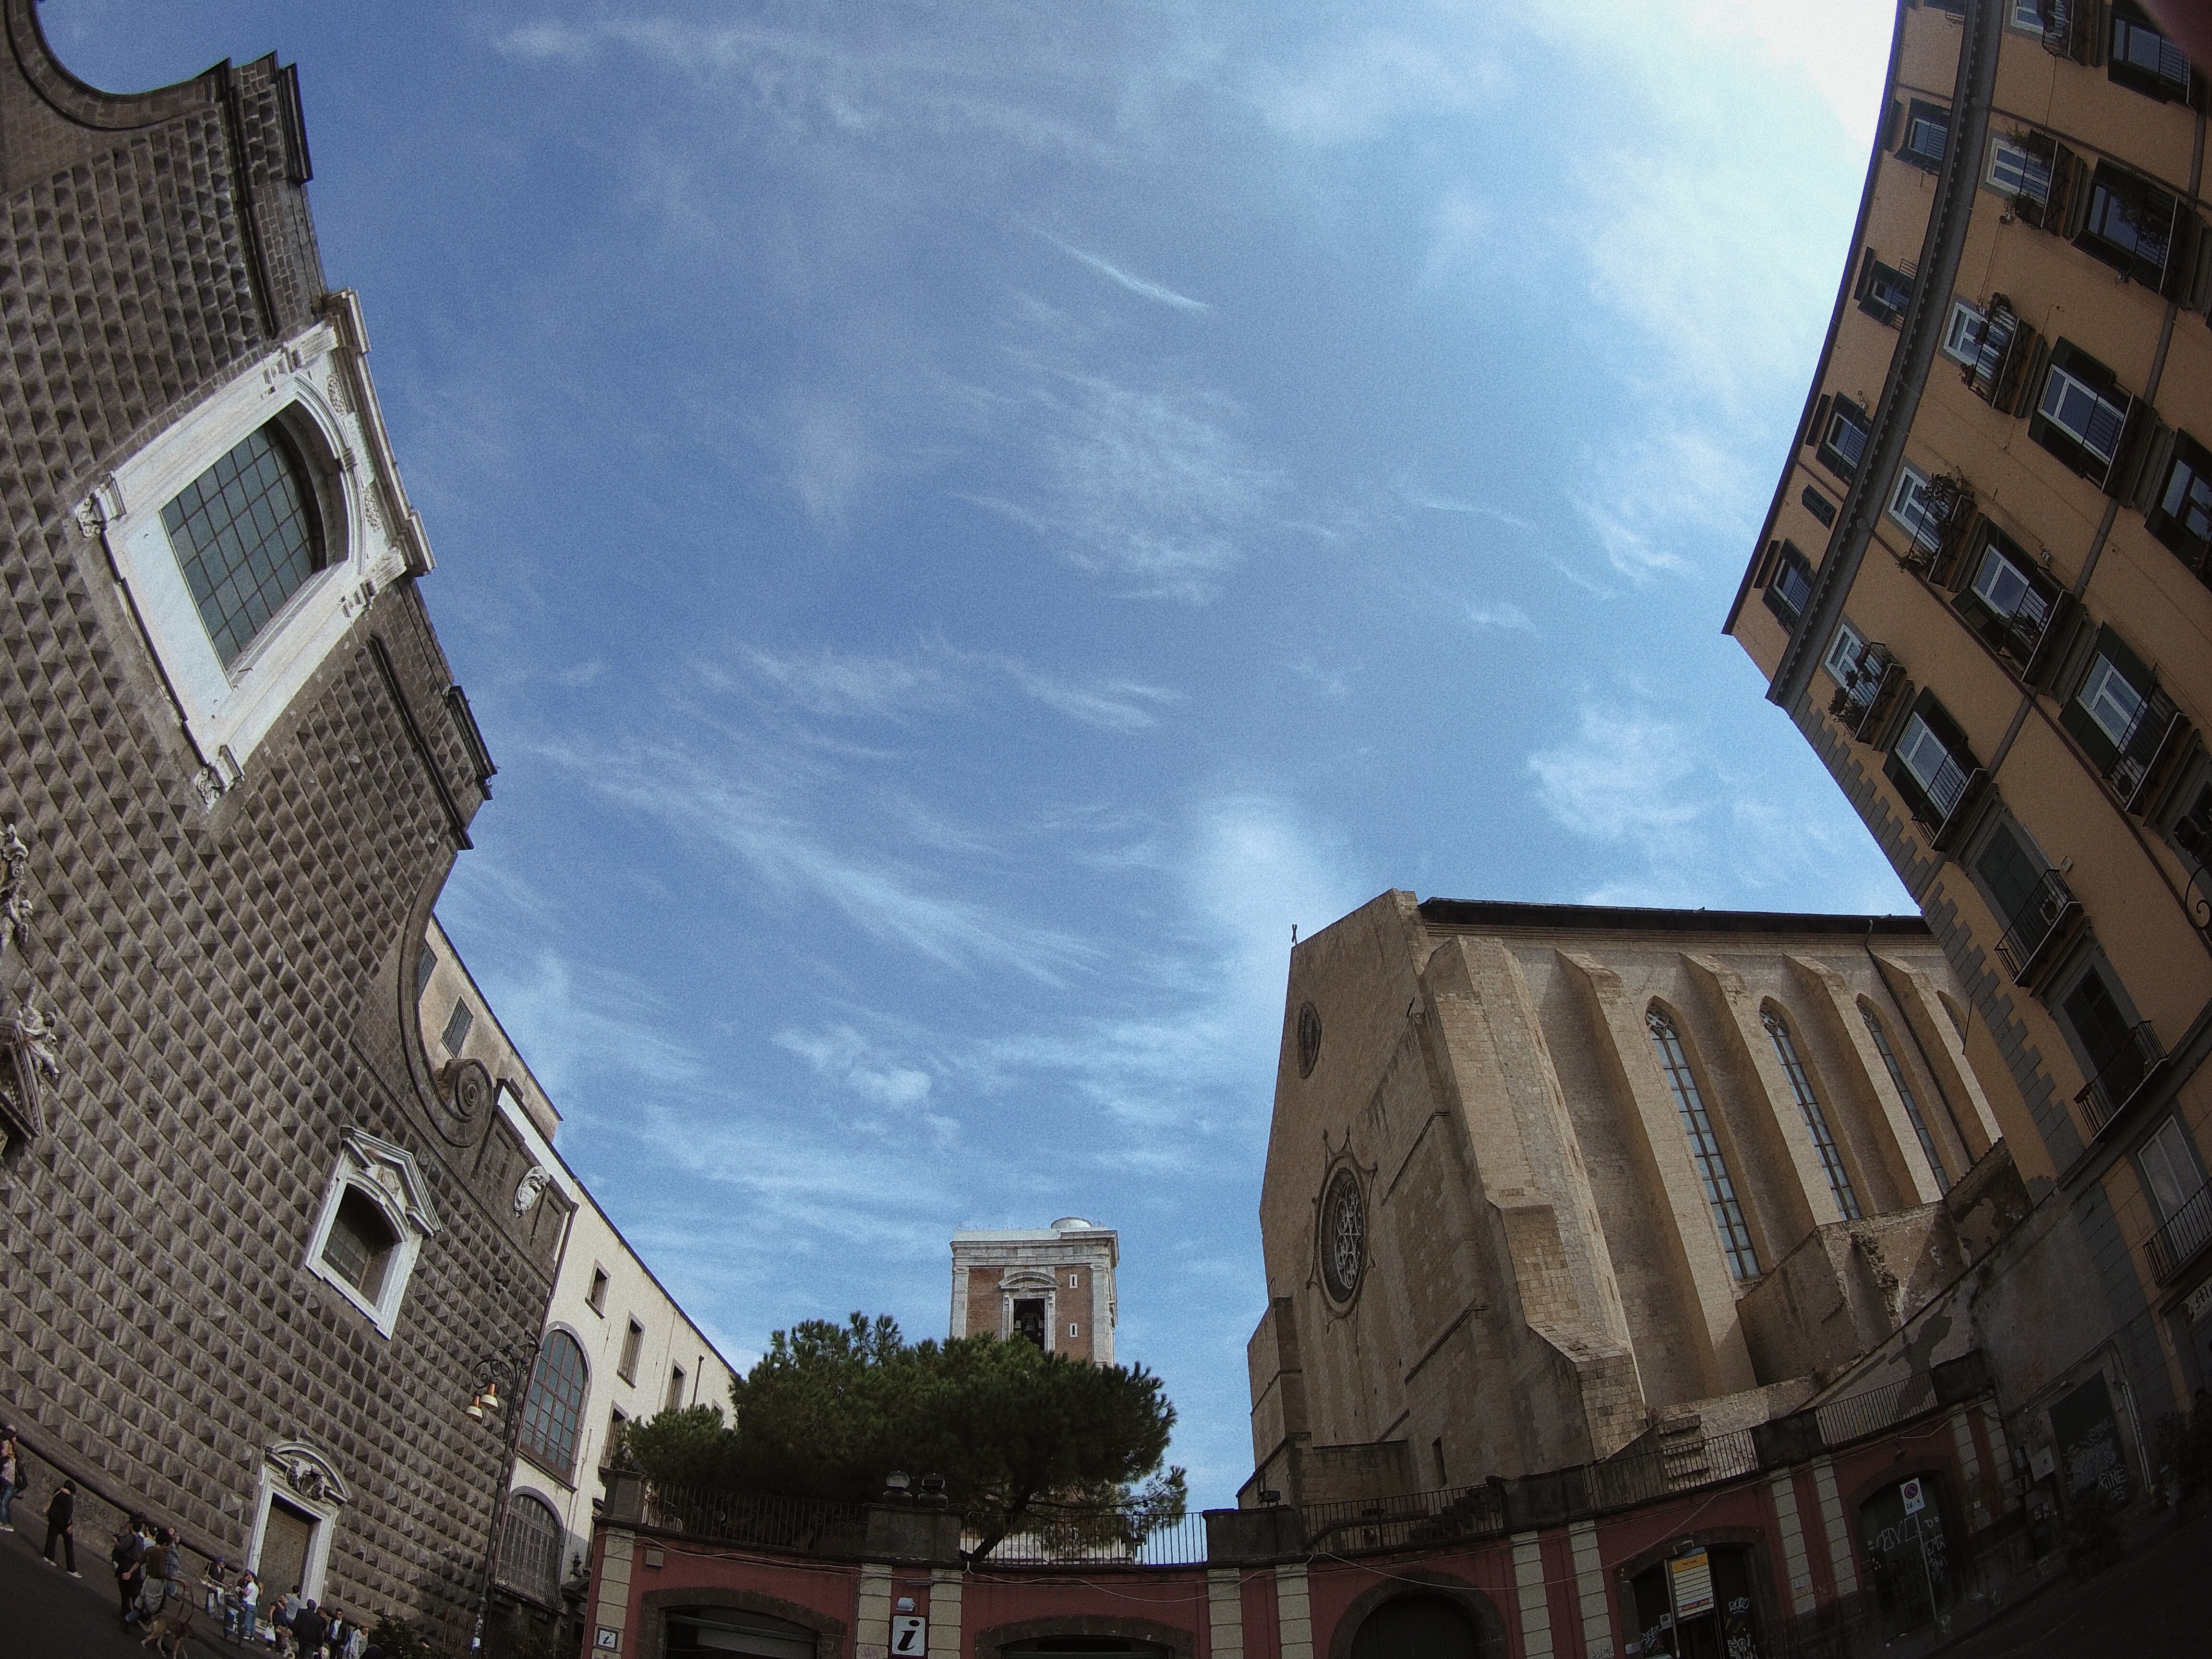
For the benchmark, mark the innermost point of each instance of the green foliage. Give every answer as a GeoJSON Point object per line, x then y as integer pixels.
{"type": "Point", "coordinates": [403, 1638]}
{"type": "Point", "coordinates": [1026, 1441]}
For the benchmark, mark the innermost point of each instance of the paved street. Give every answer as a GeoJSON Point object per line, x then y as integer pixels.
{"type": "Point", "coordinates": [50, 1615]}
{"type": "Point", "coordinates": [2157, 1603]}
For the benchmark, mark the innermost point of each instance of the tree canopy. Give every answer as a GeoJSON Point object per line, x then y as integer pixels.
{"type": "Point", "coordinates": [1026, 1441]}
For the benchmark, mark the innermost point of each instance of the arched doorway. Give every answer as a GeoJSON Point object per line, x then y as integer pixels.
{"type": "Point", "coordinates": [1416, 1627]}
{"type": "Point", "coordinates": [730, 1630]}
{"type": "Point", "coordinates": [1698, 1605]}
{"type": "Point", "coordinates": [1086, 1644]}
{"type": "Point", "coordinates": [1907, 1555]}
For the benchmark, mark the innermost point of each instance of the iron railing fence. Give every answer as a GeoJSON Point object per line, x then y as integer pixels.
{"type": "Point", "coordinates": [2046, 909]}
{"type": "Point", "coordinates": [816, 1526]}
{"type": "Point", "coordinates": [2104, 1094]}
{"type": "Point", "coordinates": [1105, 1541]}
{"type": "Point", "coordinates": [1451, 1514]}
{"type": "Point", "coordinates": [2140, 745]}
{"type": "Point", "coordinates": [1856, 1416]}
{"type": "Point", "coordinates": [2185, 1232]}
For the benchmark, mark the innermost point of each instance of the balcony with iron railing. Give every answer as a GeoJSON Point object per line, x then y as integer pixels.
{"type": "Point", "coordinates": [2118, 1081]}
{"type": "Point", "coordinates": [2182, 1238]}
{"type": "Point", "coordinates": [2041, 923]}
{"type": "Point", "coordinates": [1990, 340]}
{"type": "Point", "coordinates": [2153, 733]}
{"type": "Point", "coordinates": [1868, 691]}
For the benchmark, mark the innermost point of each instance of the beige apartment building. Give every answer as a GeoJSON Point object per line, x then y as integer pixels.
{"type": "Point", "coordinates": [1544, 1181]}
{"type": "Point", "coordinates": [1984, 593]}
{"type": "Point", "coordinates": [1052, 1286]}
{"type": "Point", "coordinates": [615, 1347]}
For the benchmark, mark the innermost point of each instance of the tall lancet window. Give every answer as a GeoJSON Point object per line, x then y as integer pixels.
{"type": "Point", "coordinates": [1831, 1161]}
{"type": "Point", "coordinates": [1704, 1148]}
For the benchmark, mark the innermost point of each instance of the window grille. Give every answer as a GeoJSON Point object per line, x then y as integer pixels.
{"type": "Point", "coordinates": [247, 536]}
{"type": "Point", "coordinates": [530, 1544]}
{"type": "Point", "coordinates": [1704, 1148]}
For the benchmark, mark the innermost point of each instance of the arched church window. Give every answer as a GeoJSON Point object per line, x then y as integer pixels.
{"type": "Point", "coordinates": [553, 1411]}
{"type": "Point", "coordinates": [247, 534]}
{"type": "Point", "coordinates": [1816, 1121]}
{"type": "Point", "coordinates": [1705, 1147]}
{"type": "Point", "coordinates": [530, 1545]}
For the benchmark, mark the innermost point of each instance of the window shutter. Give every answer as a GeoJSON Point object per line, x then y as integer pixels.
{"type": "Point", "coordinates": [1895, 135]}
{"type": "Point", "coordinates": [1818, 423]}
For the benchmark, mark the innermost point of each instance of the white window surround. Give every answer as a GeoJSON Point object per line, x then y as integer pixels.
{"type": "Point", "coordinates": [390, 1178]}
{"type": "Point", "coordinates": [2014, 170]}
{"type": "Point", "coordinates": [316, 386]}
{"type": "Point", "coordinates": [1959, 333]}
{"type": "Point", "coordinates": [1844, 652]}
{"type": "Point", "coordinates": [303, 1477]}
{"type": "Point", "coordinates": [1906, 505]}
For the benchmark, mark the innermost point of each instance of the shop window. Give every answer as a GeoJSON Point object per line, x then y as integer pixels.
{"type": "Point", "coordinates": [728, 1630]}
{"type": "Point", "coordinates": [1698, 1604]}
{"type": "Point", "coordinates": [1901, 1528]}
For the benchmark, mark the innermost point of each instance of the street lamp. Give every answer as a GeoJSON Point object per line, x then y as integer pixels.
{"type": "Point", "coordinates": [506, 1368]}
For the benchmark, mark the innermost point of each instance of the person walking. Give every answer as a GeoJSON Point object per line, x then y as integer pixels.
{"type": "Point", "coordinates": [8, 1459]}
{"type": "Point", "coordinates": [129, 1556]}
{"type": "Point", "coordinates": [61, 1526]}
{"type": "Point", "coordinates": [310, 1631]}
{"type": "Point", "coordinates": [162, 1589]}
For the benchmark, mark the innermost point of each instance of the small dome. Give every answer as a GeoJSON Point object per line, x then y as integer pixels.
{"type": "Point", "coordinates": [1068, 1224]}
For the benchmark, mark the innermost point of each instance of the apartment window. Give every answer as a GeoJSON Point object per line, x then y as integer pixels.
{"type": "Point", "coordinates": [247, 535]}
{"type": "Point", "coordinates": [2112, 1047]}
{"type": "Point", "coordinates": [553, 1409]}
{"type": "Point", "coordinates": [2025, 15]}
{"type": "Point", "coordinates": [1842, 652]}
{"type": "Point", "coordinates": [2082, 413]}
{"type": "Point", "coordinates": [1705, 1147]}
{"type": "Point", "coordinates": [2016, 598]}
{"type": "Point", "coordinates": [2011, 873]}
{"type": "Point", "coordinates": [2170, 1169]}
{"type": "Point", "coordinates": [596, 1298]}
{"type": "Point", "coordinates": [1884, 291]}
{"type": "Point", "coordinates": [2118, 714]}
{"type": "Point", "coordinates": [1816, 1121]}
{"type": "Point", "coordinates": [1905, 1093]}
{"type": "Point", "coordinates": [617, 1451]}
{"type": "Point", "coordinates": [633, 1341]}
{"type": "Point", "coordinates": [1927, 136]}
{"type": "Point", "coordinates": [2018, 171]}
{"type": "Point", "coordinates": [1911, 505]}
{"type": "Point", "coordinates": [675, 1386]}
{"type": "Point", "coordinates": [1790, 588]}
{"type": "Point", "coordinates": [2183, 517]}
{"type": "Point", "coordinates": [2129, 225]}
{"type": "Point", "coordinates": [458, 1025]}
{"type": "Point", "coordinates": [1930, 763]}
{"type": "Point", "coordinates": [2144, 59]}
{"type": "Point", "coordinates": [1961, 334]}
{"type": "Point", "coordinates": [1844, 439]}
{"type": "Point", "coordinates": [1819, 506]}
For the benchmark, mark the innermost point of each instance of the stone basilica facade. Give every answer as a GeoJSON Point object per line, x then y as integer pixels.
{"type": "Point", "coordinates": [1548, 1182]}
{"type": "Point", "coordinates": [256, 1242]}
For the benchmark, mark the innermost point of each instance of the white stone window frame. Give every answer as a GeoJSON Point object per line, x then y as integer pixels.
{"type": "Point", "coordinates": [1842, 651]}
{"type": "Point", "coordinates": [302, 1476]}
{"type": "Point", "coordinates": [316, 386]}
{"type": "Point", "coordinates": [1026, 1283]}
{"type": "Point", "coordinates": [388, 1176]}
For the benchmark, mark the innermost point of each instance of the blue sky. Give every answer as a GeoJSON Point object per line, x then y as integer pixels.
{"type": "Point", "coordinates": [962, 523]}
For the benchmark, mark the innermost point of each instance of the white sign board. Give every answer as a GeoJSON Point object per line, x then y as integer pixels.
{"type": "Point", "coordinates": [1915, 1499]}
{"type": "Point", "coordinates": [609, 1641]}
{"type": "Point", "coordinates": [910, 1635]}
{"type": "Point", "coordinates": [1691, 1577]}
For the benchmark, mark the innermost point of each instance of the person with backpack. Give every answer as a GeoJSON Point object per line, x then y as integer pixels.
{"type": "Point", "coordinates": [129, 1558]}
{"type": "Point", "coordinates": [239, 1609]}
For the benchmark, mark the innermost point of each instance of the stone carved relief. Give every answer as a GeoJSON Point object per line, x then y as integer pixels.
{"type": "Point", "coordinates": [334, 389]}
{"type": "Point", "coordinates": [466, 1095]}
{"type": "Point", "coordinates": [16, 902]}
{"type": "Point", "coordinates": [532, 1185]}
{"type": "Point", "coordinates": [310, 1475]}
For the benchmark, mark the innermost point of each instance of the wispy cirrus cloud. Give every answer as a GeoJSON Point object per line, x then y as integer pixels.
{"type": "Point", "coordinates": [935, 676]}
{"type": "Point", "coordinates": [1114, 273]}
{"type": "Point", "coordinates": [1499, 614]}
